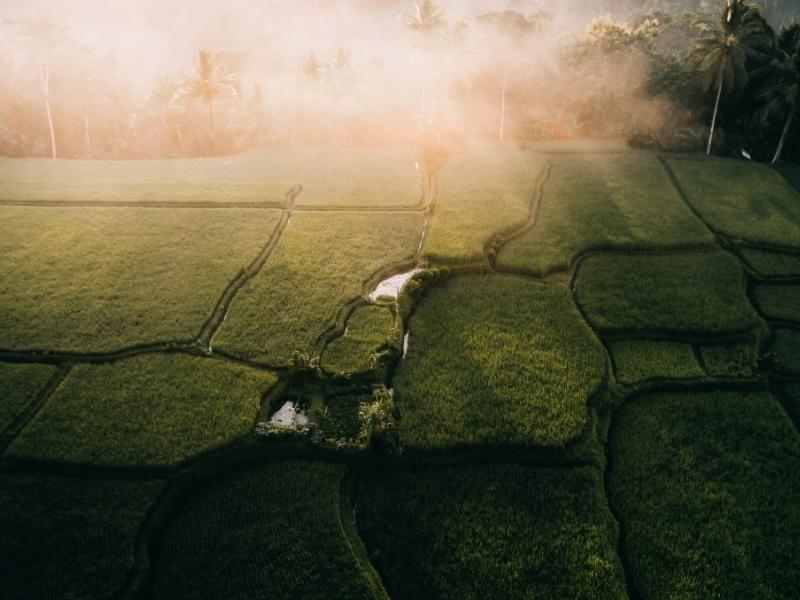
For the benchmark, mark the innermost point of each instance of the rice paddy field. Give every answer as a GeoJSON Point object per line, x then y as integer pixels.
{"type": "Point", "coordinates": [563, 370]}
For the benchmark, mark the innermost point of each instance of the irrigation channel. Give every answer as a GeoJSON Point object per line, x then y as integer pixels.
{"type": "Point", "coordinates": [289, 407]}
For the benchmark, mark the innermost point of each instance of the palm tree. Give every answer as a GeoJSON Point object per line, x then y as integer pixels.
{"type": "Point", "coordinates": [724, 48]}
{"type": "Point", "coordinates": [312, 67]}
{"type": "Point", "coordinates": [207, 82]}
{"type": "Point", "coordinates": [782, 90]}
{"type": "Point", "coordinates": [426, 24]}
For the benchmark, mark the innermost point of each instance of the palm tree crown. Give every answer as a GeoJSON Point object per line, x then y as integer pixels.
{"type": "Point", "coordinates": [782, 89]}
{"type": "Point", "coordinates": [725, 46]}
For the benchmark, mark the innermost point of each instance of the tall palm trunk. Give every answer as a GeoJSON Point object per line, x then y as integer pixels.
{"type": "Point", "coordinates": [503, 107]}
{"type": "Point", "coordinates": [716, 110]}
{"type": "Point", "coordinates": [44, 74]}
{"type": "Point", "coordinates": [786, 128]}
{"type": "Point", "coordinates": [211, 124]}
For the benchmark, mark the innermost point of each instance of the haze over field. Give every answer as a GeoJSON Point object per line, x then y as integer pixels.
{"type": "Point", "coordinates": [123, 80]}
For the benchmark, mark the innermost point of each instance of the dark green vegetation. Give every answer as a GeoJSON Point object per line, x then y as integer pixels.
{"type": "Point", "coordinates": [65, 537]}
{"type": "Point", "coordinates": [749, 202]}
{"type": "Point", "coordinates": [497, 360]}
{"type": "Point", "coordinates": [318, 265]}
{"type": "Point", "coordinates": [98, 279]}
{"type": "Point", "coordinates": [786, 351]}
{"type": "Point", "coordinates": [706, 488]}
{"type": "Point", "coordinates": [599, 202]}
{"type": "Point", "coordinates": [19, 385]}
{"type": "Point", "coordinates": [483, 476]}
{"type": "Point", "coordinates": [638, 360]}
{"type": "Point", "coordinates": [372, 332]}
{"type": "Point", "coordinates": [149, 410]}
{"type": "Point", "coordinates": [500, 531]}
{"type": "Point", "coordinates": [779, 301]}
{"type": "Point", "coordinates": [350, 177]}
{"type": "Point", "coordinates": [729, 360]}
{"type": "Point", "coordinates": [772, 264]}
{"type": "Point", "coordinates": [485, 176]}
{"type": "Point", "coordinates": [272, 531]}
{"type": "Point", "coordinates": [700, 294]}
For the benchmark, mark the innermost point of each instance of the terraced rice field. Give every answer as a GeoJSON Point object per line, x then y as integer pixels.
{"type": "Point", "coordinates": [584, 382]}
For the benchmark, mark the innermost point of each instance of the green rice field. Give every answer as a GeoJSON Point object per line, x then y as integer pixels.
{"type": "Point", "coordinates": [552, 370]}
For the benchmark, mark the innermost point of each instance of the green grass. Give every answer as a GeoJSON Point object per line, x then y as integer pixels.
{"type": "Point", "coordinates": [729, 360]}
{"type": "Point", "coordinates": [272, 531]}
{"type": "Point", "coordinates": [639, 360]}
{"type": "Point", "coordinates": [603, 201]}
{"type": "Point", "coordinates": [329, 176]}
{"type": "Point", "coordinates": [152, 410]}
{"type": "Point", "coordinates": [371, 330]}
{"type": "Point", "coordinates": [19, 385]}
{"type": "Point", "coordinates": [482, 192]}
{"type": "Point", "coordinates": [322, 261]}
{"type": "Point", "coordinates": [791, 173]}
{"type": "Point", "coordinates": [743, 200]}
{"type": "Point", "coordinates": [779, 301]}
{"type": "Point", "coordinates": [791, 394]}
{"type": "Point", "coordinates": [67, 537]}
{"type": "Point", "coordinates": [772, 264]}
{"type": "Point", "coordinates": [341, 420]}
{"type": "Point", "coordinates": [706, 488]}
{"type": "Point", "coordinates": [496, 361]}
{"type": "Point", "coordinates": [495, 531]}
{"type": "Point", "coordinates": [700, 294]}
{"type": "Point", "coordinates": [786, 350]}
{"type": "Point", "coordinates": [97, 279]}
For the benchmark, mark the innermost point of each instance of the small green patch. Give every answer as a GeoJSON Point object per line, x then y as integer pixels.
{"type": "Point", "coordinates": [19, 385]}
{"type": "Point", "coordinates": [372, 334]}
{"type": "Point", "coordinates": [772, 264]}
{"type": "Point", "coordinates": [150, 410]}
{"type": "Point", "coordinates": [779, 301]}
{"type": "Point", "coordinates": [496, 361]}
{"type": "Point", "coordinates": [603, 201]}
{"type": "Point", "coordinates": [499, 531]}
{"type": "Point", "coordinates": [486, 191]}
{"type": "Point", "coordinates": [65, 537]}
{"type": "Point", "coordinates": [274, 530]}
{"type": "Point", "coordinates": [98, 279]}
{"type": "Point", "coordinates": [743, 200]}
{"type": "Point", "coordinates": [786, 351]}
{"type": "Point", "coordinates": [705, 486]}
{"type": "Point", "coordinates": [639, 360]}
{"type": "Point", "coordinates": [700, 294]}
{"type": "Point", "coordinates": [321, 262]}
{"type": "Point", "coordinates": [729, 360]}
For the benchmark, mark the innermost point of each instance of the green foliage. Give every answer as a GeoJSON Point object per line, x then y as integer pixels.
{"type": "Point", "coordinates": [66, 537]}
{"type": "Point", "coordinates": [705, 486]}
{"type": "Point", "coordinates": [275, 529]}
{"type": "Point", "coordinates": [371, 336]}
{"type": "Point", "coordinates": [94, 279]}
{"type": "Point", "coordinates": [341, 420]}
{"type": "Point", "coordinates": [772, 264]}
{"type": "Point", "coordinates": [416, 287]}
{"type": "Point", "coordinates": [639, 360]}
{"type": "Point", "coordinates": [485, 191]}
{"type": "Point", "coordinates": [505, 531]}
{"type": "Point", "coordinates": [779, 301]}
{"type": "Point", "coordinates": [496, 361]}
{"type": "Point", "coordinates": [321, 261]}
{"type": "Point", "coordinates": [742, 200]}
{"type": "Point", "coordinates": [682, 293]}
{"type": "Point", "coordinates": [376, 417]}
{"type": "Point", "coordinates": [148, 410]}
{"type": "Point", "coordinates": [329, 176]}
{"type": "Point", "coordinates": [603, 201]}
{"type": "Point", "coordinates": [786, 351]}
{"type": "Point", "coordinates": [729, 360]}
{"type": "Point", "coordinates": [19, 385]}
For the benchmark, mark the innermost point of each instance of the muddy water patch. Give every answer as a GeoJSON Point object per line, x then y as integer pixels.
{"type": "Point", "coordinates": [289, 414]}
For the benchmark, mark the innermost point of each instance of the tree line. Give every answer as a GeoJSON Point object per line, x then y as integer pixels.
{"type": "Point", "coordinates": [689, 75]}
